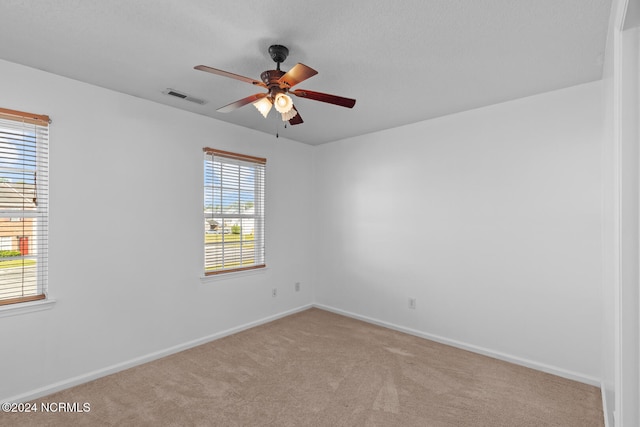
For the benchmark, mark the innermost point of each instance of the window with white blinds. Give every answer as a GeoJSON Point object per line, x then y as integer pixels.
{"type": "Point", "coordinates": [24, 175]}
{"type": "Point", "coordinates": [233, 211]}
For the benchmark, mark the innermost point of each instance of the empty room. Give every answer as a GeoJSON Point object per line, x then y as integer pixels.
{"type": "Point", "coordinates": [429, 218]}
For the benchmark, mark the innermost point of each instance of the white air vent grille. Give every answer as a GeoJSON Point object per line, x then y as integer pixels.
{"type": "Point", "coordinates": [177, 94]}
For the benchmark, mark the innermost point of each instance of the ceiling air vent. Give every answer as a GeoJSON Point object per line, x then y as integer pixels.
{"type": "Point", "coordinates": [173, 92]}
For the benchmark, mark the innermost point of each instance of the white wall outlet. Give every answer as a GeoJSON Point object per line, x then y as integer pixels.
{"type": "Point", "coordinates": [297, 286]}
{"type": "Point", "coordinates": [274, 292]}
{"type": "Point", "coordinates": [412, 303]}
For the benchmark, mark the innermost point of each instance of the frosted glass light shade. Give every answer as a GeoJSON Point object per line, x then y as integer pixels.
{"type": "Point", "coordinates": [264, 106]}
{"type": "Point", "coordinates": [289, 115]}
{"type": "Point", "coordinates": [283, 103]}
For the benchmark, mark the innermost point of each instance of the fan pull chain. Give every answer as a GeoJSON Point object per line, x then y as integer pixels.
{"type": "Point", "coordinates": [278, 126]}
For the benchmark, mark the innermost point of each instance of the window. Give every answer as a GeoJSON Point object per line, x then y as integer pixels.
{"type": "Point", "coordinates": [24, 175]}
{"type": "Point", "coordinates": [233, 212]}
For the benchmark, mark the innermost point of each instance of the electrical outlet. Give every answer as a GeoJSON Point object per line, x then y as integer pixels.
{"type": "Point", "coordinates": [297, 286]}
{"type": "Point", "coordinates": [274, 292]}
{"type": "Point", "coordinates": [412, 303]}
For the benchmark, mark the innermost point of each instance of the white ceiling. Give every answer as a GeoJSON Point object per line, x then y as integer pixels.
{"type": "Point", "coordinates": [404, 61]}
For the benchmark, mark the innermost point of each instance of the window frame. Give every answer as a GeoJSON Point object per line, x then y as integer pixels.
{"type": "Point", "coordinates": [40, 213]}
{"type": "Point", "coordinates": [258, 166]}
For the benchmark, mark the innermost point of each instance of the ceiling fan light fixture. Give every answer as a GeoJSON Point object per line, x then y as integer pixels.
{"type": "Point", "coordinates": [289, 115]}
{"type": "Point", "coordinates": [283, 103]}
{"type": "Point", "coordinates": [264, 106]}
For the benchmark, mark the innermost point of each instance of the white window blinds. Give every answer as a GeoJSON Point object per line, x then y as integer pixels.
{"type": "Point", "coordinates": [24, 176]}
{"type": "Point", "coordinates": [233, 211]}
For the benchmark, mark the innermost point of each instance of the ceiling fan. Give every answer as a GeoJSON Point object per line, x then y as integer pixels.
{"type": "Point", "coordinates": [278, 84]}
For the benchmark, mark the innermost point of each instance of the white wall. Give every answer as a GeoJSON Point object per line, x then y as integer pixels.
{"type": "Point", "coordinates": [126, 234]}
{"type": "Point", "coordinates": [507, 259]}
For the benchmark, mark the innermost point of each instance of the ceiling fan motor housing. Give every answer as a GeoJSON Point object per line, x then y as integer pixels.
{"type": "Point", "coordinates": [270, 78]}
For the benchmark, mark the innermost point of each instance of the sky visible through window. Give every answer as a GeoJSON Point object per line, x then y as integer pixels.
{"type": "Point", "coordinates": [229, 187]}
{"type": "Point", "coordinates": [17, 156]}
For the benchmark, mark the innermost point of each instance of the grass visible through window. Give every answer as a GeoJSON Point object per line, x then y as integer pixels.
{"type": "Point", "coordinates": [17, 263]}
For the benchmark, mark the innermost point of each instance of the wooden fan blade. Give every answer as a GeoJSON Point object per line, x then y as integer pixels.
{"type": "Point", "coordinates": [297, 74]}
{"type": "Point", "coordinates": [296, 120]}
{"type": "Point", "coordinates": [241, 102]}
{"type": "Point", "coordinates": [230, 75]}
{"type": "Point", "coordinates": [325, 97]}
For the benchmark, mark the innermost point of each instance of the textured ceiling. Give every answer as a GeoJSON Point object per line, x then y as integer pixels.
{"type": "Point", "coordinates": [404, 61]}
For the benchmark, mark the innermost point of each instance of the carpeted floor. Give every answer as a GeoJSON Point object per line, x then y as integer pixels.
{"type": "Point", "coordinates": [317, 368]}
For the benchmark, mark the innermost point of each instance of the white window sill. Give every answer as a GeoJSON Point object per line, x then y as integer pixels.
{"type": "Point", "coordinates": [232, 275]}
{"type": "Point", "coordinates": [26, 307]}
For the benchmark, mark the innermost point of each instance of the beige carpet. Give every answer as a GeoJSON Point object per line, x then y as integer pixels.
{"type": "Point", "coordinates": [317, 368]}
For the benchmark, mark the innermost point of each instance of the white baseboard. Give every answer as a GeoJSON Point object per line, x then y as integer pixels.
{"type": "Point", "coordinates": [90, 376]}
{"type": "Point", "coordinates": [575, 376]}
